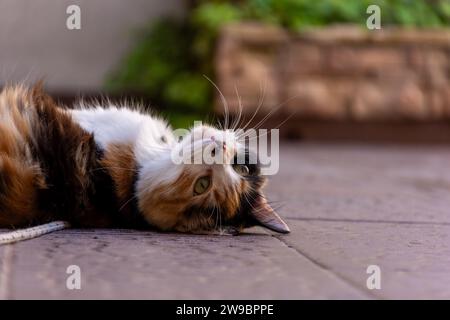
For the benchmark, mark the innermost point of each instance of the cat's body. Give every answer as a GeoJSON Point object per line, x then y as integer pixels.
{"type": "Point", "coordinates": [112, 167]}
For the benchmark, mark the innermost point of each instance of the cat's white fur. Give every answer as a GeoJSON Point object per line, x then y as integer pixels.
{"type": "Point", "coordinates": [152, 139]}
{"type": "Point", "coordinates": [122, 125]}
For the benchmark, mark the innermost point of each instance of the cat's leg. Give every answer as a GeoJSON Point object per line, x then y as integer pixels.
{"type": "Point", "coordinates": [19, 185]}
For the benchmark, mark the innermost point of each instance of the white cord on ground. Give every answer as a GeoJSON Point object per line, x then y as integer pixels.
{"type": "Point", "coordinates": [30, 233]}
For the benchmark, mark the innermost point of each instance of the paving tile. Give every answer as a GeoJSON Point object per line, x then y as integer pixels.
{"type": "Point", "coordinates": [158, 266]}
{"type": "Point", "coordinates": [6, 256]}
{"type": "Point", "coordinates": [348, 206]}
{"type": "Point", "coordinates": [363, 183]}
{"type": "Point", "coordinates": [414, 259]}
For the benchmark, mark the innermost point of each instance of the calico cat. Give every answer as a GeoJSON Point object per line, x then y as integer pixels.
{"type": "Point", "coordinates": [111, 166]}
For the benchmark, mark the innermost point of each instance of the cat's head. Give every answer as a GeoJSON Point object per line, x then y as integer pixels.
{"type": "Point", "coordinates": [217, 186]}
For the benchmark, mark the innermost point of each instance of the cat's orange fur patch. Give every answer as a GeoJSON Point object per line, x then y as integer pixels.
{"type": "Point", "coordinates": [19, 183]}
{"type": "Point", "coordinates": [19, 176]}
{"type": "Point", "coordinates": [166, 203]}
{"type": "Point", "coordinates": [40, 146]}
{"type": "Point", "coordinates": [16, 117]}
{"type": "Point", "coordinates": [120, 162]}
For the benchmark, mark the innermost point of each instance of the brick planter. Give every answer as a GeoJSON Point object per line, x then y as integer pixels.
{"type": "Point", "coordinates": [339, 74]}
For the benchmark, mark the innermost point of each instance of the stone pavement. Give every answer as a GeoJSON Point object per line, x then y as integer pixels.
{"type": "Point", "coordinates": [349, 206]}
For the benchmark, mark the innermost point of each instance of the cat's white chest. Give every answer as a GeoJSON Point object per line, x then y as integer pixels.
{"type": "Point", "coordinates": [121, 125]}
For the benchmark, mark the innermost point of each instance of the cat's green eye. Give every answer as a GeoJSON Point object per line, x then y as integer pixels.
{"type": "Point", "coordinates": [241, 169]}
{"type": "Point", "coordinates": [202, 185]}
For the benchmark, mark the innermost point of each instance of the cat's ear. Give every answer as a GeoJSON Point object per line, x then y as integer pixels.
{"type": "Point", "coordinates": [267, 217]}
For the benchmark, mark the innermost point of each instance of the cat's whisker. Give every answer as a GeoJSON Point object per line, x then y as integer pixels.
{"type": "Point", "coordinates": [145, 190]}
{"type": "Point", "coordinates": [248, 200]}
{"type": "Point", "coordinates": [260, 123]}
{"type": "Point", "coordinates": [224, 102]}
{"type": "Point", "coordinates": [127, 202]}
{"type": "Point", "coordinates": [238, 119]}
{"type": "Point", "coordinates": [285, 120]}
{"type": "Point", "coordinates": [275, 201]}
{"type": "Point", "coordinates": [278, 207]}
{"type": "Point", "coordinates": [219, 124]}
{"type": "Point", "coordinates": [211, 215]}
{"type": "Point", "coordinates": [276, 127]}
{"type": "Point", "coordinates": [214, 119]}
{"type": "Point", "coordinates": [261, 101]}
{"type": "Point", "coordinates": [243, 118]}
{"type": "Point", "coordinates": [216, 217]}
{"type": "Point", "coordinates": [135, 196]}
{"type": "Point", "coordinates": [280, 203]}
{"type": "Point", "coordinates": [265, 118]}
{"type": "Point", "coordinates": [220, 220]}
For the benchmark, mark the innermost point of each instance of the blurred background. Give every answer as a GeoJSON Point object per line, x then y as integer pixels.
{"type": "Point", "coordinates": [313, 66]}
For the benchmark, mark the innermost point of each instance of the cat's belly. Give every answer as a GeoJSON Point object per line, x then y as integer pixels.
{"type": "Point", "coordinates": [120, 125]}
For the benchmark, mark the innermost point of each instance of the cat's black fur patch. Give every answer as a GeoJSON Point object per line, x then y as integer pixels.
{"type": "Point", "coordinates": [243, 217]}
{"type": "Point", "coordinates": [78, 189]}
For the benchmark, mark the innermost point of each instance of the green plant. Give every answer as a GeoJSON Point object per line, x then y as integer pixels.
{"type": "Point", "coordinates": [171, 57]}
{"type": "Point", "coordinates": [299, 14]}
{"type": "Point", "coordinates": [161, 66]}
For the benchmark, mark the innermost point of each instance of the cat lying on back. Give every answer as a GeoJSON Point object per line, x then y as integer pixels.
{"type": "Point", "coordinates": [112, 167]}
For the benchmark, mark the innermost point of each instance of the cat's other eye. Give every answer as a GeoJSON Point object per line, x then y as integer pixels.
{"type": "Point", "coordinates": [163, 139]}
{"type": "Point", "coordinates": [202, 185]}
{"type": "Point", "coordinates": [241, 169]}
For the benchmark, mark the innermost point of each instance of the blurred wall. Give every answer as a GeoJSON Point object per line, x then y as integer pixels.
{"type": "Point", "coordinates": [35, 42]}
{"type": "Point", "coordinates": [338, 73]}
